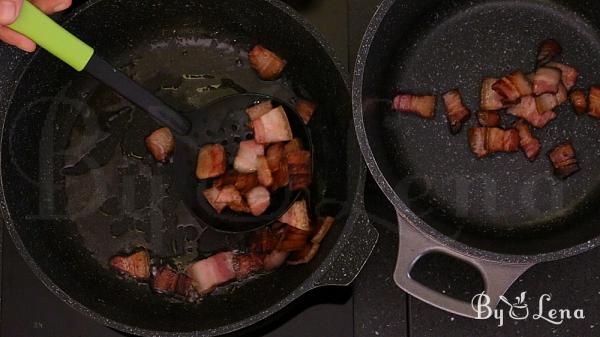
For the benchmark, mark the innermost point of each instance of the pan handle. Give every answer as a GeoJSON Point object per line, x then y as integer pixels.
{"type": "Point", "coordinates": [349, 258]}
{"type": "Point", "coordinates": [498, 277]}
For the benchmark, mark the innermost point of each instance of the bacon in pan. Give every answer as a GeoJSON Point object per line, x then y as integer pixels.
{"type": "Point", "coordinates": [258, 200]}
{"type": "Point", "coordinates": [424, 106]}
{"type": "Point", "coordinates": [136, 265]}
{"type": "Point", "coordinates": [564, 160]}
{"type": "Point", "coordinates": [212, 161]}
{"type": "Point", "coordinates": [297, 216]}
{"type": "Point", "coordinates": [546, 80]}
{"type": "Point", "coordinates": [529, 143]}
{"type": "Point", "coordinates": [594, 102]}
{"type": "Point", "coordinates": [485, 141]}
{"type": "Point", "coordinates": [212, 272]}
{"type": "Point", "coordinates": [272, 127]}
{"type": "Point", "coordinates": [267, 64]}
{"type": "Point", "coordinates": [245, 265]}
{"type": "Point", "coordinates": [305, 109]}
{"type": "Point", "coordinates": [490, 99]}
{"type": "Point", "coordinates": [488, 118]}
{"type": "Point", "coordinates": [161, 144]}
{"type": "Point", "coordinates": [456, 111]}
{"type": "Point", "coordinates": [258, 110]}
{"type": "Point", "coordinates": [568, 74]}
{"type": "Point", "coordinates": [528, 110]}
{"type": "Point", "coordinates": [246, 160]}
{"type": "Point", "coordinates": [513, 87]}
{"type": "Point", "coordinates": [165, 280]}
{"type": "Point", "coordinates": [579, 101]}
{"type": "Point", "coordinates": [299, 167]}
{"type": "Point", "coordinates": [548, 50]}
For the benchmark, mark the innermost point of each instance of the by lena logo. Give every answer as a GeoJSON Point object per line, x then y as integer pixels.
{"type": "Point", "coordinates": [519, 310]}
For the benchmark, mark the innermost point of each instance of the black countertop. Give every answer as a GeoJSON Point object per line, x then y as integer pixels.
{"type": "Point", "coordinates": [374, 306]}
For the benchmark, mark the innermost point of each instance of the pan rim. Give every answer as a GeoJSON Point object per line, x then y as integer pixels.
{"type": "Point", "coordinates": [402, 210]}
{"type": "Point", "coordinates": [310, 283]}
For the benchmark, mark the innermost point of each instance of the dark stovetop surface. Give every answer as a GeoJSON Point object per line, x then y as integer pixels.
{"type": "Point", "coordinates": [374, 306]}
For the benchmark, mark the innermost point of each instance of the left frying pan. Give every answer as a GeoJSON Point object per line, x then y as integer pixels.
{"type": "Point", "coordinates": [34, 24]}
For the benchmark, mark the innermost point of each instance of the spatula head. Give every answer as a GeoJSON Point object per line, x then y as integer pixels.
{"type": "Point", "coordinates": [225, 122]}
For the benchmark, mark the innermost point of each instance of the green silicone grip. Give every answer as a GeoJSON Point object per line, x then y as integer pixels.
{"type": "Point", "coordinates": [37, 26]}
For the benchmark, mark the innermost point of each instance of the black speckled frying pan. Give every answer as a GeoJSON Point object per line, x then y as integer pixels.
{"type": "Point", "coordinates": [114, 197]}
{"type": "Point", "coordinates": [501, 214]}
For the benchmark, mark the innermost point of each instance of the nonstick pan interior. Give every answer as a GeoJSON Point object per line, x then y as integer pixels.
{"type": "Point", "coordinates": [79, 185]}
{"type": "Point", "coordinates": [502, 204]}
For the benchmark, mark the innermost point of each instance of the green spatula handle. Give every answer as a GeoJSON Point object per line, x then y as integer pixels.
{"type": "Point", "coordinates": [37, 26]}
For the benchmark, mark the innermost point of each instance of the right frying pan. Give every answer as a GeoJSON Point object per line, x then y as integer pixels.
{"type": "Point", "coordinates": [501, 214]}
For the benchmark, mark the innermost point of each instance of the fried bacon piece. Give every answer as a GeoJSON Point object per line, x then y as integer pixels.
{"type": "Point", "coordinates": [275, 260]}
{"type": "Point", "coordinates": [424, 106]}
{"type": "Point", "coordinates": [267, 64]}
{"type": "Point", "coordinates": [246, 182]}
{"type": "Point", "coordinates": [136, 265]}
{"type": "Point", "coordinates": [212, 161]}
{"type": "Point", "coordinates": [564, 160]}
{"type": "Point", "coordinates": [228, 178]}
{"type": "Point", "coordinates": [457, 112]}
{"type": "Point", "coordinates": [488, 118]}
{"type": "Point", "coordinates": [579, 101]}
{"type": "Point", "coordinates": [294, 239]}
{"type": "Point", "coordinates": [506, 90]}
{"type": "Point", "coordinates": [281, 178]}
{"type": "Point", "coordinates": [304, 255]}
{"type": "Point", "coordinates": [278, 165]}
{"type": "Point", "coordinates": [293, 146]}
{"type": "Point", "coordinates": [562, 95]}
{"type": "Point", "coordinates": [211, 195]}
{"type": "Point", "coordinates": [265, 177]}
{"type": "Point", "coordinates": [490, 99]}
{"type": "Point", "coordinates": [165, 280]}
{"type": "Point", "coordinates": [297, 216]}
{"type": "Point", "coordinates": [485, 141]}
{"type": "Point", "coordinates": [546, 80]}
{"type": "Point", "coordinates": [299, 170]}
{"type": "Point", "coordinates": [477, 141]}
{"type": "Point", "coordinates": [258, 110]}
{"type": "Point", "coordinates": [161, 144]}
{"type": "Point", "coordinates": [548, 50]}
{"type": "Point", "coordinates": [230, 196]}
{"type": "Point", "coordinates": [246, 264]}
{"type": "Point", "coordinates": [275, 156]}
{"type": "Point", "coordinates": [258, 200]}
{"type": "Point", "coordinates": [513, 87]}
{"type": "Point", "coordinates": [527, 109]}
{"type": "Point", "coordinates": [529, 144]}
{"type": "Point", "coordinates": [568, 74]}
{"type": "Point", "coordinates": [263, 241]}
{"type": "Point", "coordinates": [305, 109]}
{"type": "Point", "coordinates": [185, 287]}
{"type": "Point", "coordinates": [212, 272]}
{"type": "Point", "coordinates": [546, 102]}
{"type": "Point", "coordinates": [499, 140]}
{"type": "Point", "coordinates": [521, 82]}
{"type": "Point", "coordinates": [323, 227]}
{"type": "Point", "coordinates": [243, 182]}
{"type": "Point", "coordinates": [272, 127]}
{"type": "Point", "coordinates": [246, 160]}
{"type": "Point", "coordinates": [594, 102]}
